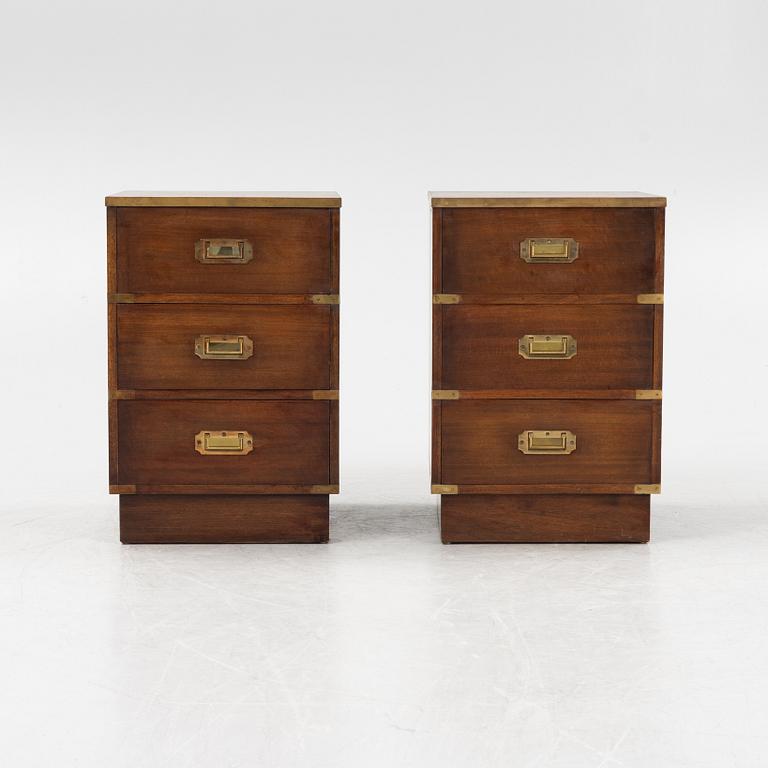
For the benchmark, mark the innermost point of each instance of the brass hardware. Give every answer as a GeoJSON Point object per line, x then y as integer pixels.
{"type": "Point", "coordinates": [648, 488]}
{"type": "Point", "coordinates": [446, 298]}
{"type": "Point", "coordinates": [647, 394]}
{"type": "Point", "coordinates": [553, 441]}
{"type": "Point", "coordinates": [451, 489]}
{"type": "Point", "coordinates": [650, 298]}
{"type": "Point", "coordinates": [122, 489]}
{"type": "Point", "coordinates": [234, 442]}
{"type": "Point", "coordinates": [223, 250]}
{"type": "Point", "coordinates": [549, 250]}
{"type": "Point", "coordinates": [325, 394]}
{"type": "Point", "coordinates": [553, 346]}
{"type": "Point", "coordinates": [120, 298]}
{"type": "Point", "coordinates": [325, 298]}
{"type": "Point", "coordinates": [445, 394]}
{"type": "Point", "coordinates": [223, 347]}
{"type": "Point", "coordinates": [324, 489]}
{"type": "Point", "coordinates": [123, 394]}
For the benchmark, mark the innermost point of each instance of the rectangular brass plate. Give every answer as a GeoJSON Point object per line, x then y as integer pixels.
{"type": "Point", "coordinates": [653, 488]}
{"type": "Point", "coordinates": [223, 250]}
{"type": "Point", "coordinates": [445, 394]}
{"type": "Point", "coordinates": [647, 394]}
{"type": "Point", "coordinates": [324, 489]}
{"type": "Point", "coordinates": [325, 298]}
{"type": "Point", "coordinates": [223, 347]}
{"type": "Point", "coordinates": [445, 489]}
{"type": "Point", "coordinates": [549, 250]}
{"type": "Point", "coordinates": [122, 489]}
{"type": "Point", "coordinates": [650, 298]}
{"type": "Point", "coordinates": [325, 394]}
{"type": "Point", "coordinates": [550, 442]}
{"type": "Point", "coordinates": [234, 442]}
{"type": "Point", "coordinates": [120, 298]}
{"type": "Point", "coordinates": [551, 346]}
{"type": "Point", "coordinates": [446, 298]}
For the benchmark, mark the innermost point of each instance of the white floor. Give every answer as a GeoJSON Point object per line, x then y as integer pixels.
{"type": "Point", "coordinates": [384, 648]}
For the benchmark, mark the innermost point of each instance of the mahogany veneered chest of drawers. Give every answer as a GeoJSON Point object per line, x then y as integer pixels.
{"type": "Point", "coordinates": [547, 337]}
{"type": "Point", "coordinates": [223, 365]}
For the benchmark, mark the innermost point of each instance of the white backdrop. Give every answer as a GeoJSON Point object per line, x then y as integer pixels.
{"type": "Point", "coordinates": [381, 103]}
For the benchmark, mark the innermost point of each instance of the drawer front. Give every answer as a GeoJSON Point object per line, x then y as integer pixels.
{"type": "Point", "coordinates": [480, 442]}
{"type": "Point", "coordinates": [158, 442]}
{"type": "Point", "coordinates": [223, 347]}
{"type": "Point", "coordinates": [573, 347]}
{"type": "Point", "coordinates": [288, 250]}
{"type": "Point", "coordinates": [481, 250]}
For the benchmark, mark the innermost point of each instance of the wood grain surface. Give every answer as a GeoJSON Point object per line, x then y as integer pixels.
{"type": "Point", "coordinates": [291, 347]}
{"type": "Point", "coordinates": [290, 442]}
{"type": "Point", "coordinates": [223, 519]}
{"type": "Point", "coordinates": [481, 251]}
{"type": "Point", "coordinates": [291, 250]}
{"type": "Point", "coordinates": [479, 441]}
{"type": "Point", "coordinates": [481, 347]}
{"type": "Point", "coordinates": [543, 518]}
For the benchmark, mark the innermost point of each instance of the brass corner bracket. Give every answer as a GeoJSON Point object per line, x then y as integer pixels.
{"type": "Point", "coordinates": [325, 298]}
{"type": "Point", "coordinates": [123, 394]}
{"type": "Point", "coordinates": [122, 489]}
{"type": "Point", "coordinates": [448, 489]}
{"type": "Point", "coordinates": [647, 394]}
{"type": "Point", "coordinates": [445, 394]}
{"type": "Point", "coordinates": [650, 298]}
{"type": "Point", "coordinates": [325, 489]}
{"type": "Point", "coordinates": [446, 298]}
{"type": "Point", "coordinates": [653, 488]}
{"type": "Point", "coordinates": [325, 394]}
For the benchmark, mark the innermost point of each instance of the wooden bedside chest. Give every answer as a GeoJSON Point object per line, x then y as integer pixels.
{"type": "Point", "coordinates": [547, 334]}
{"type": "Point", "coordinates": [223, 365]}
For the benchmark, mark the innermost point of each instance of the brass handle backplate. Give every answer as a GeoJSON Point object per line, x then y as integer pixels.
{"type": "Point", "coordinates": [231, 442]}
{"type": "Point", "coordinates": [223, 250]}
{"type": "Point", "coordinates": [550, 346]}
{"type": "Point", "coordinates": [553, 442]}
{"type": "Point", "coordinates": [208, 347]}
{"type": "Point", "coordinates": [549, 250]}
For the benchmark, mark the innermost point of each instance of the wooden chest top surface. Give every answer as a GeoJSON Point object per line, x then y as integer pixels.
{"type": "Point", "coordinates": [546, 200]}
{"type": "Point", "coordinates": [141, 199]}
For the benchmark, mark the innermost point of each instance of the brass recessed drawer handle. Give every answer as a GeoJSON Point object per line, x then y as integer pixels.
{"type": "Point", "coordinates": [550, 346]}
{"type": "Point", "coordinates": [234, 442]}
{"type": "Point", "coordinates": [549, 250]}
{"type": "Point", "coordinates": [553, 442]}
{"type": "Point", "coordinates": [208, 347]}
{"type": "Point", "coordinates": [223, 250]}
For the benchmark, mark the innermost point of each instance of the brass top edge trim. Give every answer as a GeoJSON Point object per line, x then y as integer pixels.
{"type": "Point", "coordinates": [142, 199]}
{"type": "Point", "coordinates": [546, 200]}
